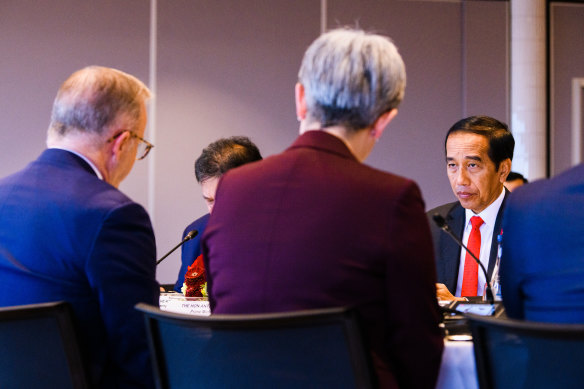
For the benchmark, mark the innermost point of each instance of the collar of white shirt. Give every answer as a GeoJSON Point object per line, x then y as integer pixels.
{"type": "Point", "coordinates": [489, 214]}
{"type": "Point", "coordinates": [83, 157]}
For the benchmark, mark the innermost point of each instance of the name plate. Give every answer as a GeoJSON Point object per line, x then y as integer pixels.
{"type": "Point", "coordinates": [176, 302]}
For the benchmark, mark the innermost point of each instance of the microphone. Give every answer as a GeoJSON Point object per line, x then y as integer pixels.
{"type": "Point", "coordinates": [189, 236]}
{"type": "Point", "coordinates": [441, 222]}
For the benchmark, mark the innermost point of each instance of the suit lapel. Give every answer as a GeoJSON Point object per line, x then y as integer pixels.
{"type": "Point", "coordinates": [497, 230]}
{"type": "Point", "coordinates": [455, 219]}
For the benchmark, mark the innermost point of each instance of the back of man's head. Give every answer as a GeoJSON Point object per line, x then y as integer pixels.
{"type": "Point", "coordinates": [92, 98]}
{"type": "Point", "coordinates": [225, 154]}
{"type": "Point", "coordinates": [514, 176]}
{"type": "Point", "coordinates": [501, 141]}
{"type": "Point", "coordinates": [351, 77]}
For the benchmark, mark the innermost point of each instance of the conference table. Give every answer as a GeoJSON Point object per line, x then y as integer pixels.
{"type": "Point", "coordinates": [457, 371]}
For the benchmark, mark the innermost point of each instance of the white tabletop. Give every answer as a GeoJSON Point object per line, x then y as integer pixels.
{"type": "Point", "coordinates": [458, 369]}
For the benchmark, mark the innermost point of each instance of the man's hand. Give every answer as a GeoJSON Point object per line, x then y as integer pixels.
{"type": "Point", "coordinates": [443, 293]}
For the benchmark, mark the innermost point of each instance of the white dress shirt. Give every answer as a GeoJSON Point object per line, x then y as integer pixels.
{"type": "Point", "coordinates": [489, 216]}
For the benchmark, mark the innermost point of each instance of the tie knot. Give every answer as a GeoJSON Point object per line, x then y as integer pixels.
{"type": "Point", "coordinates": [476, 221]}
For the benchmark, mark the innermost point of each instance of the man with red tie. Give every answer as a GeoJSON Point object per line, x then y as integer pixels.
{"type": "Point", "coordinates": [479, 150]}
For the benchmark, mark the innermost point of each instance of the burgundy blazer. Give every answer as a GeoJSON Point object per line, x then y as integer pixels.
{"type": "Point", "coordinates": [313, 228]}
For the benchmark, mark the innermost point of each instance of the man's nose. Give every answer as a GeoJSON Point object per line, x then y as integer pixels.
{"type": "Point", "coordinates": [462, 178]}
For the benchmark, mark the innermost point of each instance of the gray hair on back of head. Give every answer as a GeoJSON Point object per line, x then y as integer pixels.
{"type": "Point", "coordinates": [351, 77]}
{"type": "Point", "coordinates": [94, 97]}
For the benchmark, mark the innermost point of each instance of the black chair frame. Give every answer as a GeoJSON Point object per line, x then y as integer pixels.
{"type": "Point", "coordinates": [481, 325]}
{"type": "Point", "coordinates": [360, 358]}
{"type": "Point", "coordinates": [61, 314]}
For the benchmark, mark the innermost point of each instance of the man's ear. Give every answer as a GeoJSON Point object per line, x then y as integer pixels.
{"type": "Point", "coordinates": [119, 145]}
{"type": "Point", "coordinates": [300, 100]}
{"type": "Point", "coordinates": [382, 122]}
{"type": "Point", "coordinates": [504, 170]}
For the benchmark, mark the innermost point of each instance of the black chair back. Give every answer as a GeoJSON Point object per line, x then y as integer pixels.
{"type": "Point", "coordinates": [304, 349]}
{"type": "Point", "coordinates": [519, 354]}
{"type": "Point", "coordinates": [39, 348]}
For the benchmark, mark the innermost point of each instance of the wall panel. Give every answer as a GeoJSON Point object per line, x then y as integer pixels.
{"type": "Point", "coordinates": [225, 67]}
{"type": "Point", "coordinates": [42, 43]}
{"type": "Point", "coordinates": [567, 62]}
{"type": "Point", "coordinates": [486, 56]}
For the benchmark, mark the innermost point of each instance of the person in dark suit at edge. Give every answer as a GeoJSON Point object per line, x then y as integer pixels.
{"type": "Point", "coordinates": [479, 151]}
{"type": "Point", "coordinates": [68, 233]}
{"type": "Point", "coordinates": [314, 227]}
{"type": "Point", "coordinates": [542, 267]}
{"type": "Point", "coordinates": [217, 158]}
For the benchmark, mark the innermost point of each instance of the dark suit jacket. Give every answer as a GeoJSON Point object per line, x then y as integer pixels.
{"type": "Point", "coordinates": [447, 251]}
{"type": "Point", "coordinates": [313, 228]}
{"type": "Point", "coordinates": [542, 268]}
{"type": "Point", "coordinates": [191, 249]}
{"type": "Point", "coordinates": [67, 235]}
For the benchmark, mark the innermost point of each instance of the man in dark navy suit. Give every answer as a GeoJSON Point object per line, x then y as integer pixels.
{"type": "Point", "coordinates": [68, 233]}
{"type": "Point", "coordinates": [479, 150]}
{"type": "Point", "coordinates": [542, 268]}
{"type": "Point", "coordinates": [315, 227]}
{"type": "Point", "coordinates": [216, 159]}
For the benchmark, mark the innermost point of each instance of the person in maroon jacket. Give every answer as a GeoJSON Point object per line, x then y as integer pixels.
{"type": "Point", "coordinates": [314, 227]}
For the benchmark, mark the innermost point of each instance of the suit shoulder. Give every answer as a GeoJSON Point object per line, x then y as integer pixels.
{"type": "Point", "coordinates": [387, 179]}
{"type": "Point", "coordinates": [198, 224]}
{"type": "Point", "coordinates": [105, 195]}
{"type": "Point", "coordinates": [445, 209]}
{"type": "Point", "coordinates": [568, 182]}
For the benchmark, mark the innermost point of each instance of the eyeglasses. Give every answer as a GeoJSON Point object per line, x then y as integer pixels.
{"type": "Point", "coordinates": [144, 146]}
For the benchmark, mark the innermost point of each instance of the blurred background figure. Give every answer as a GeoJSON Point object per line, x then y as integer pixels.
{"type": "Point", "coordinates": [216, 159]}
{"type": "Point", "coordinates": [514, 180]}
{"type": "Point", "coordinates": [314, 227]}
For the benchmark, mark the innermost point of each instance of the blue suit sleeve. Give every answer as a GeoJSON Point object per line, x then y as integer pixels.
{"type": "Point", "coordinates": [511, 263]}
{"type": "Point", "coordinates": [121, 271]}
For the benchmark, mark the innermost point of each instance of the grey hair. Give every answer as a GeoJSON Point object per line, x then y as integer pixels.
{"type": "Point", "coordinates": [351, 77]}
{"type": "Point", "coordinates": [92, 98]}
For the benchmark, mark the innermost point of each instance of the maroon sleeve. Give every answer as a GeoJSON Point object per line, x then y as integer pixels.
{"type": "Point", "coordinates": [415, 342]}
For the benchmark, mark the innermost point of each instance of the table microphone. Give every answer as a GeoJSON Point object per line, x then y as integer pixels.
{"type": "Point", "coordinates": [187, 237]}
{"type": "Point", "coordinates": [441, 222]}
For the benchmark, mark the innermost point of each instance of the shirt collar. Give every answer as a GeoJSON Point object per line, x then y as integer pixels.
{"type": "Point", "coordinates": [489, 214]}
{"type": "Point", "coordinates": [83, 157]}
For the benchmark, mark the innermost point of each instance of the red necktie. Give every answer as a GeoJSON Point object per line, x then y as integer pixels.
{"type": "Point", "coordinates": [470, 278]}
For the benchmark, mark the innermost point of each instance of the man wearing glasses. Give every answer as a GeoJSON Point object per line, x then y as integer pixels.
{"type": "Point", "coordinates": [68, 233]}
